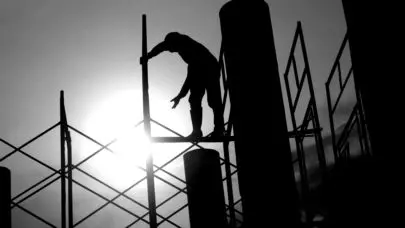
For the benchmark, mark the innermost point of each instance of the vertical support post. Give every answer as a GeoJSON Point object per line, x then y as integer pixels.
{"type": "Point", "coordinates": [262, 150]}
{"type": "Point", "coordinates": [229, 187]}
{"type": "Point", "coordinates": [313, 106]}
{"type": "Point", "coordinates": [67, 139]}
{"type": "Point", "coordinates": [297, 137]}
{"type": "Point", "coordinates": [363, 129]}
{"type": "Point", "coordinates": [62, 162]}
{"type": "Point", "coordinates": [70, 179]}
{"type": "Point", "coordinates": [331, 121]}
{"type": "Point", "coordinates": [5, 197]}
{"type": "Point", "coordinates": [205, 191]}
{"type": "Point", "coordinates": [225, 144]}
{"type": "Point", "coordinates": [147, 127]}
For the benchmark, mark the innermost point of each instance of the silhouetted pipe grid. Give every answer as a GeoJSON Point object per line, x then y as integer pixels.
{"type": "Point", "coordinates": [340, 142]}
{"type": "Point", "coordinates": [66, 202]}
{"type": "Point", "coordinates": [310, 126]}
{"type": "Point", "coordinates": [17, 200]}
{"type": "Point", "coordinates": [67, 206]}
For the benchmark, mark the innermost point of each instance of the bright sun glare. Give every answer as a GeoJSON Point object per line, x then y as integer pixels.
{"type": "Point", "coordinates": [116, 118]}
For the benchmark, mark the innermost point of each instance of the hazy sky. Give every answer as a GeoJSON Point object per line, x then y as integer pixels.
{"type": "Point", "coordinates": [91, 49]}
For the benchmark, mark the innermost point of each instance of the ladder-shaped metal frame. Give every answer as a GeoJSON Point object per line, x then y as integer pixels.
{"type": "Point", "coordinates": [18, 199]}
{"type": "Point", "coordinates": [303, 130]}
{"type": "Point", "coordinates": [68, 180]}
{"type": "Point", "coordinates": [340, 143]}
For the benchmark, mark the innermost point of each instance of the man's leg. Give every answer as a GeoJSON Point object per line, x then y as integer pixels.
{"type": "Point", "coordinates": [196, 95]}
{"type": "Point", "coordinates": [215, 102]}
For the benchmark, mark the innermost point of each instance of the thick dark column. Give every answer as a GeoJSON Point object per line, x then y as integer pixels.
{"type": "Point", "coordinates": [5, 197]}
{"type": "Point", "coordinates": [266, 177]}
{"type": "Point", "coordinates": [376, 48]}
{"type": "Point", "coordinates": [205, 191]}
{"type": "Point", "coordinates": [364, 49]}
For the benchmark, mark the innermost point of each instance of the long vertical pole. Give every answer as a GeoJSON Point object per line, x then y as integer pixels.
{"type": "Point", "coordinates": [225, 144]}
{"type": "Point", "coordinates": [229, 188]}
{"type": "Point", "coordinates": [62, 163]}
{"type": "Point", "coordinates": [67, 139]}
{"type": "Point", "coordinates": [319, 143]}
{"type": "Point", "coordinates": [70, 179]}
{"type": "Point", "coordinates": [70, 176]}
{"type": "Point", "coordinates": [146, 123]}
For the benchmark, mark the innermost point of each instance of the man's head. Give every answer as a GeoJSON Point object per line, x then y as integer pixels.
{"type": "Point", "coordinates": [173, 38]}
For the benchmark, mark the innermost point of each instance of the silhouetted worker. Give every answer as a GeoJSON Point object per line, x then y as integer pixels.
{"type": "Point", "coordinates": [203, 74]}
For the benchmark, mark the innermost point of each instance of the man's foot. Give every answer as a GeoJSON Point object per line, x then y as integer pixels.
{"type": "Point", "coordinates": [217, 133]}
{"type": "Point", "coordinates": [195, 135]}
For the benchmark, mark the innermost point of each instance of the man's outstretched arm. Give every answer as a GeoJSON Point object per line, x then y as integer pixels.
{"type": "Point", "coordinates": [185, 88]}
{"type": "Point", "coordinates": [159, 48]}
{"type": "Point", "coordinates": [183, 92]}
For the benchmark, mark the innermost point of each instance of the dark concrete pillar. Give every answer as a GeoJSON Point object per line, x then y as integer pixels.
{"type": "Point", "coordinates": [5, 197]}
{"type": "Point", "coordinates": [266, 177]}
{"type": "Point", "coordinates": [376, 47]}
{"type": "Point", "coordinates": [205, 191]}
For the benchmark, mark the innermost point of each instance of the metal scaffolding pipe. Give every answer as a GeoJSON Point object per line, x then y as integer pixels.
{"type": "Point", "coordinates": [205, 191]}
{"type": "Point", "coordinates": [147, 127]}
{"type": "Point", "coordinates": [62, 162]}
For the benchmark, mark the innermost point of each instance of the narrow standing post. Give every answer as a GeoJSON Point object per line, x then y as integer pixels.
{"type": "Point", "coordinates": [146, 124]}
{"type": "Point", "coordinates": [67, 139]}
{"type": "Point", "coordinates": [315, 118]}
{"type": "Point", "coordinates": [62, 162]}
{"type": "Point", "coordinates": [5, 197]}
{"type": "Point", "coordinates": [229, 187]}
{"type": "Point", "coordinates": [232, 218]}
{"type": "Point", "coordinates": [70, 177]}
